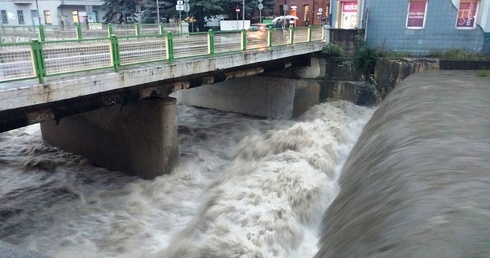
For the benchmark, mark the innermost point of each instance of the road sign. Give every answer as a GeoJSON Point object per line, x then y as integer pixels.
{"type": "Point", "coordinates": [237, 10]}
{"type": "Point", "coordinates": [179, 7]}
{"type": "Point", "coordinates": [260, 6]}
{"type": "Point", "coordinates": [320, 10]}
{"type": "Point", "coordinates": [187, 7]}
{"type": "Point", "coordinates": [180, 2]}
{"type": "Point", "coordinates": [260, 1]}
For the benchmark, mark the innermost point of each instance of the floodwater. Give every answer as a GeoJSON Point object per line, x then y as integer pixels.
{"type": "Point", "coordinates": [244, 187]}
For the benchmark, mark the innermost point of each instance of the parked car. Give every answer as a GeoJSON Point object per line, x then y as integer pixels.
{"type": "Point", "coordinates": [258, 30]}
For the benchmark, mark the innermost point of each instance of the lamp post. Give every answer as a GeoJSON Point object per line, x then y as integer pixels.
{"type": "Point", "coordinates": [243, 14]}
{"type": "Point", "coordinates": [158, 12]}
{"type": "Point", "coordinates": [38, 15]}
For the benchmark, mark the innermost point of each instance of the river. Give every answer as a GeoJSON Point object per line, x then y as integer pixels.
{"type": "Point", "coordinates": [243, 186]}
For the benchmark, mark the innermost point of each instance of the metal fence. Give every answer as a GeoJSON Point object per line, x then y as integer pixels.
{"type": "Point", "coordinates": [42, 58]}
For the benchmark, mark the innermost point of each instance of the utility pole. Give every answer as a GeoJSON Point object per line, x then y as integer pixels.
{"type": "Point", "coordinates": [158, 12]}
{"type": "Point", "coordinates": [243, 14]}
{"type": "Point", "coordinates": [38, 16]}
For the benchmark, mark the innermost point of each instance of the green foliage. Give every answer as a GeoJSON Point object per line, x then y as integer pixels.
{"type": "Point", "coordinates": [124, 11]}
{"type": "Point", "coordinates": [395, 54]}
{"type": "Point", "coordinates": [364, 57]}
{"type": "Point", "coordinates": [460, 54]}
{"type": "Point", "coordinates": [435, 53]}
{"type": "Point", "coordinates": [483, 73]}
{"type": "Point", "coordinates": [333, 51]}
{"type": "Point", "coordinates": [119, 10]}
{"type": "Point", "coordinates": [149, 10]}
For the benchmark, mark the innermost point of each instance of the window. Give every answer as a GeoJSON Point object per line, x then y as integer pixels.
{"type": "Point", "coordinates": [47, 17]}
{"type": "Point", "coordinates": [467, 14]}
{"type": "Point", "coordinates": [327, 10]}
{"type": "Point", "coordinates": [5, 19]}
{"type": "Point", "coordinates": [20, 17]}
{"type": "Point", "coordinates": [35, 17]}
{"type": "Point", "coordinates": [95, 17]}
{"type": "Point", "coordinates": [74, 14]}
{"type": "Point", "coordinates": [307, 11]}
{"type": "Point", "coordinates": [417, 10]}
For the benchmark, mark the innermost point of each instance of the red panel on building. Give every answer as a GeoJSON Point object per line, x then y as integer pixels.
{"type": "Point", "coordinates": [467, 14]}
{"type": "Point", "coordinates": [416, 14]}
{"type": "Point", "coordinates": [349, 6]}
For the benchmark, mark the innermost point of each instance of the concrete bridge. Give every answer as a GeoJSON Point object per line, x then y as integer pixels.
{"type": "Point", "coordinates": [108, 99]}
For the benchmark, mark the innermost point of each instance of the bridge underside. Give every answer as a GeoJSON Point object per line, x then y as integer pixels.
{"type": "Point", "coordinates": [24, 116]}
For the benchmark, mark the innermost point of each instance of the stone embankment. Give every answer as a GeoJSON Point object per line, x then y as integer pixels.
{"type": "Point", "coordinates": [343, 81]}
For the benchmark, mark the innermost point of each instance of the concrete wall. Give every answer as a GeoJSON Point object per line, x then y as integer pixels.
{"type": "Point", "coordinates": [139, 138]}
{"type": "Point", "coordinates": [262, 96]}
{"type": "Point", "coordinates": [387, 28]}
{"type": "Point", "coordinates": [388, 73]}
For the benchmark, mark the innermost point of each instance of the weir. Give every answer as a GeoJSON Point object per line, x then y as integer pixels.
{"type": "Point", "coordinates": [416, 182]}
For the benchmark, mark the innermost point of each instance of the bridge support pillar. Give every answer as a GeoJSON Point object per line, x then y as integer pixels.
{"type": "Point", "coordinates": [139, 138]}
{"type": "Point", "coordinates": [263, 96]}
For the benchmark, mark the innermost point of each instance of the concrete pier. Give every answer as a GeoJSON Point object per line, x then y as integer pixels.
{"type": "Point", "coordinates": [271, 97]}
{"type": "Point", "coordinates": [139, 138]}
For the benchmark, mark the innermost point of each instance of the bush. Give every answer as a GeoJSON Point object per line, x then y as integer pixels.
{"type": "Point", "coordinates": [483, 73]}
{"type": "Point", "coordinates": [333, 51]}
{"type": "Point", "coordinates": [364, 57]}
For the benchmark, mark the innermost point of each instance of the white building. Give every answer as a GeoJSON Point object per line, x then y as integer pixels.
{"type": "Point", "coordinates": [49, 12]}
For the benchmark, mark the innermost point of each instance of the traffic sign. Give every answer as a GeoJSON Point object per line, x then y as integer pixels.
{"type": "Point", "coordinates": [187, 7]}
{"type": "Point", "coordinates": [180, 2]}
{"type": "Point", "coordinates": [320, 10]}
{"type": "Point", "coordinates": [179, 7]}
{"type": "Point", "coordinates": [237, 10]}
{"type": "Point", "coordinates": [260, 6]}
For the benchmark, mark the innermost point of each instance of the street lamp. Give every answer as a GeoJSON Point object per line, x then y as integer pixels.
{"type": "Point", "coordinates": [243, 14]}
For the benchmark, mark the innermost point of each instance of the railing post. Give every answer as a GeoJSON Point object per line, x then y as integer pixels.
{"type": "Point", "coordinates": [42, 33]}
{"type": "Point", "coordinates": [269, 37]}
{"type": "Point", "coordinates": [109, 30]}
{"type": "Point", "coordinates": [309, 33]}
{"type": "Point", "coordinates": [326, 34]}
{"type": "Point", "coordinates": [170, 46]}
{"type": "Point", "coordinates": [137, 27]}
{"type": "Point", "coordinates": [244, 39]}
{"type": "Point", "coordinates": [291, 35]}
{"type": "Point", "coordinates": [116, 62]}
{"type": "Point", "coordinates": [79, 31]}
{"type": "Point", "coordinates": [210, 42]}
{"type": "Point", "coordinates": [162, 28]}
{"type": "Point", "coordinates": [38, 59]}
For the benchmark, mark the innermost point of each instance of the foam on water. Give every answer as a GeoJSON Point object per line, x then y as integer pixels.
{"type": "Point", "coordinates": [243, 187]}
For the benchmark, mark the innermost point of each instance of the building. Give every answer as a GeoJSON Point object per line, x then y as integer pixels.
{"type": "Point", "coordinates": [309, 12]}
{"type": "Point", "coordinates": [49, 12]}
{"type": "Point", "coordinates": [418, 26]}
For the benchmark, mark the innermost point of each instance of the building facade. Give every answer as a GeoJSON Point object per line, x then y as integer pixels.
{"type": "Point", "coordinates": [49, 12]}
{"type": "Point", "coordinates": [418, 26]}
{"type": "Point", "coordinates": [309, 12]}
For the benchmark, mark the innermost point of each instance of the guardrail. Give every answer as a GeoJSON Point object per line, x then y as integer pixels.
{"type": "Point", "coordinates": [79, 31]}
{"type": "Point", "coordinates": [40, 59]}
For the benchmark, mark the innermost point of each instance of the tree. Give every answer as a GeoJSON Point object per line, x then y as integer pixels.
{"type": "Point", "coordinates": [121, 11]}
{"type": "Point", "coordinates": [149, 10]}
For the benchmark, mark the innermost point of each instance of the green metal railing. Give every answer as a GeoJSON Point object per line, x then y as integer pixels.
{"type": "Point", "coordinates": [42, 58]}
{"type": "Point", "coordinates": [14, 34]}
